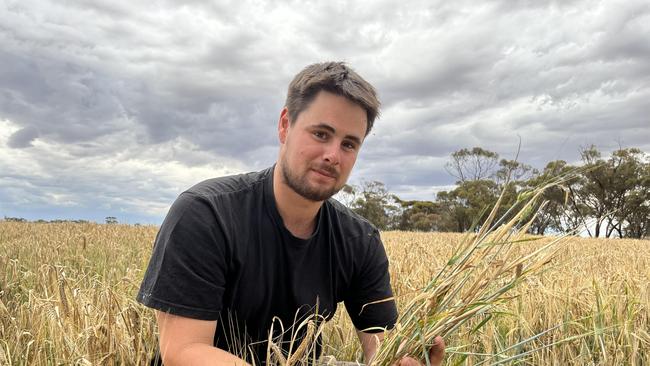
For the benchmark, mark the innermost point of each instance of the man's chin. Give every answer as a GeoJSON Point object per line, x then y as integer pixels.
{"type": "Point", "coordinates": [315, 195]}
{"type": "Point", "coordinates": [309, 187]}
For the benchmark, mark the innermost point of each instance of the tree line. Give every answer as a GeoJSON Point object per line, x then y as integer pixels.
{"type": "Point", "coordinates": [610, 196]}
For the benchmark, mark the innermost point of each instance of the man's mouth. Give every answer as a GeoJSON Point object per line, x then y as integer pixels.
{"type": "Point", "coordinates": [326, 172]}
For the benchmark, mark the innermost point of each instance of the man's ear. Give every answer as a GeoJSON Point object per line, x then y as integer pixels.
{"type": "Point", "coordinates": [283, 125]}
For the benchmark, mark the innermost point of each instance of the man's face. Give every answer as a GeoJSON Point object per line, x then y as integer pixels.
{"type": "Point", "coordinates": [320, 148]}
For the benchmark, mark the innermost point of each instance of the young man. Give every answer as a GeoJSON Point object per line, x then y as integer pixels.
{"type": "Point", "coordinates": [236, 254]}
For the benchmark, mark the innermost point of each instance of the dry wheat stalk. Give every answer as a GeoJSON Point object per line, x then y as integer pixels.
{"type": "Point", "coordinates": [473, 282]}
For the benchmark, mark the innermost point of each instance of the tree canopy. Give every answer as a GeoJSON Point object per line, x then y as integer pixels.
{"type": "Point", "coordinates": [609, 196]}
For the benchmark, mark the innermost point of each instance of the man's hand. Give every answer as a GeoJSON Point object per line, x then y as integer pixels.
{"type": "Point", "coordinates": [436, 355]}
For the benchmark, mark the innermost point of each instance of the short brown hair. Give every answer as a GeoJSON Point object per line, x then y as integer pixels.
{"type": "Point", "coordinates": [336, 78]}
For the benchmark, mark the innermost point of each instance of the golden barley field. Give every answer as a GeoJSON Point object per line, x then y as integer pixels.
{"type": "Point", "coordinates": [67, 297]}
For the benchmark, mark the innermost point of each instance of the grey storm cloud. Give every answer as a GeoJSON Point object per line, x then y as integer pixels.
{"type": "Point", "coordinates": [23, 137]}
{"type": "Point", "coordinates": [148, 97]}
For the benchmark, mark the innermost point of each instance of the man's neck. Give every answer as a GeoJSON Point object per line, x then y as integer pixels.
{"type": "Point", "coordinates": [298, 214]}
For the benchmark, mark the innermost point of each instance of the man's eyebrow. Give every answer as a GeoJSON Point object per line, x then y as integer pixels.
{"type": "Point", "coordinates": [331, 129]}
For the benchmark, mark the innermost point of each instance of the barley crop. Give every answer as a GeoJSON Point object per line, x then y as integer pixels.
{"type": "Point", "coordinates": [67, 297]}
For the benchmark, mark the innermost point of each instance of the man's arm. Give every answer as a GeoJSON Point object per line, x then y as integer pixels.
{"type": "Point", "coordinates": [187, 341]}
{"type": "Point", "coordinates": [370, 343]}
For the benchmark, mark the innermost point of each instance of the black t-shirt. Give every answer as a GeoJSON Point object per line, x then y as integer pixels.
{"type": "Point", "coordinates": [223, 253]}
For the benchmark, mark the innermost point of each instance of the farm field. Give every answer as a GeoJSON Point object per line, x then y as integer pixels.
{"type": "Point", "coordinates": [67, 297]}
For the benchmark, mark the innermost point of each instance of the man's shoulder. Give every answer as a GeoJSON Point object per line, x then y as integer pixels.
{"type": "Point", "coordinates": [353, 224]}
{"type": "Point", "coordinates": [230, 184]}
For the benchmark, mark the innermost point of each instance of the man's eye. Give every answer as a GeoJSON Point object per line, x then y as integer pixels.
{"type": "Point", "coordinates": [320, 135]}
{"type": "Point", "coordinates": [349, 146]}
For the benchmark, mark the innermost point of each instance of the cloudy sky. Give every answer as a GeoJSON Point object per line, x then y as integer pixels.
{"type": "Point", "coordinates": [113, 108]}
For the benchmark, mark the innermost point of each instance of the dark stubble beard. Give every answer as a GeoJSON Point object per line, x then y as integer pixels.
{"type": "Point", "coordinates": [300, 185]}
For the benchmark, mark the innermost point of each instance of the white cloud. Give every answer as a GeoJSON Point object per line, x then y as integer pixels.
{"type": "Point", "coordinates": [144, 179]}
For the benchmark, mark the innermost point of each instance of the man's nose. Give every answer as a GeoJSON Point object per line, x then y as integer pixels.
{"type": "Point", "coordinates": [332, 153]}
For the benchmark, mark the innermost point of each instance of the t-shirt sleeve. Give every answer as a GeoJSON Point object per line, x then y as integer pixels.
{"type": "Point", "coordinates": [187, 270]}
{"type": "Point", "coordinates": [369, 302]}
